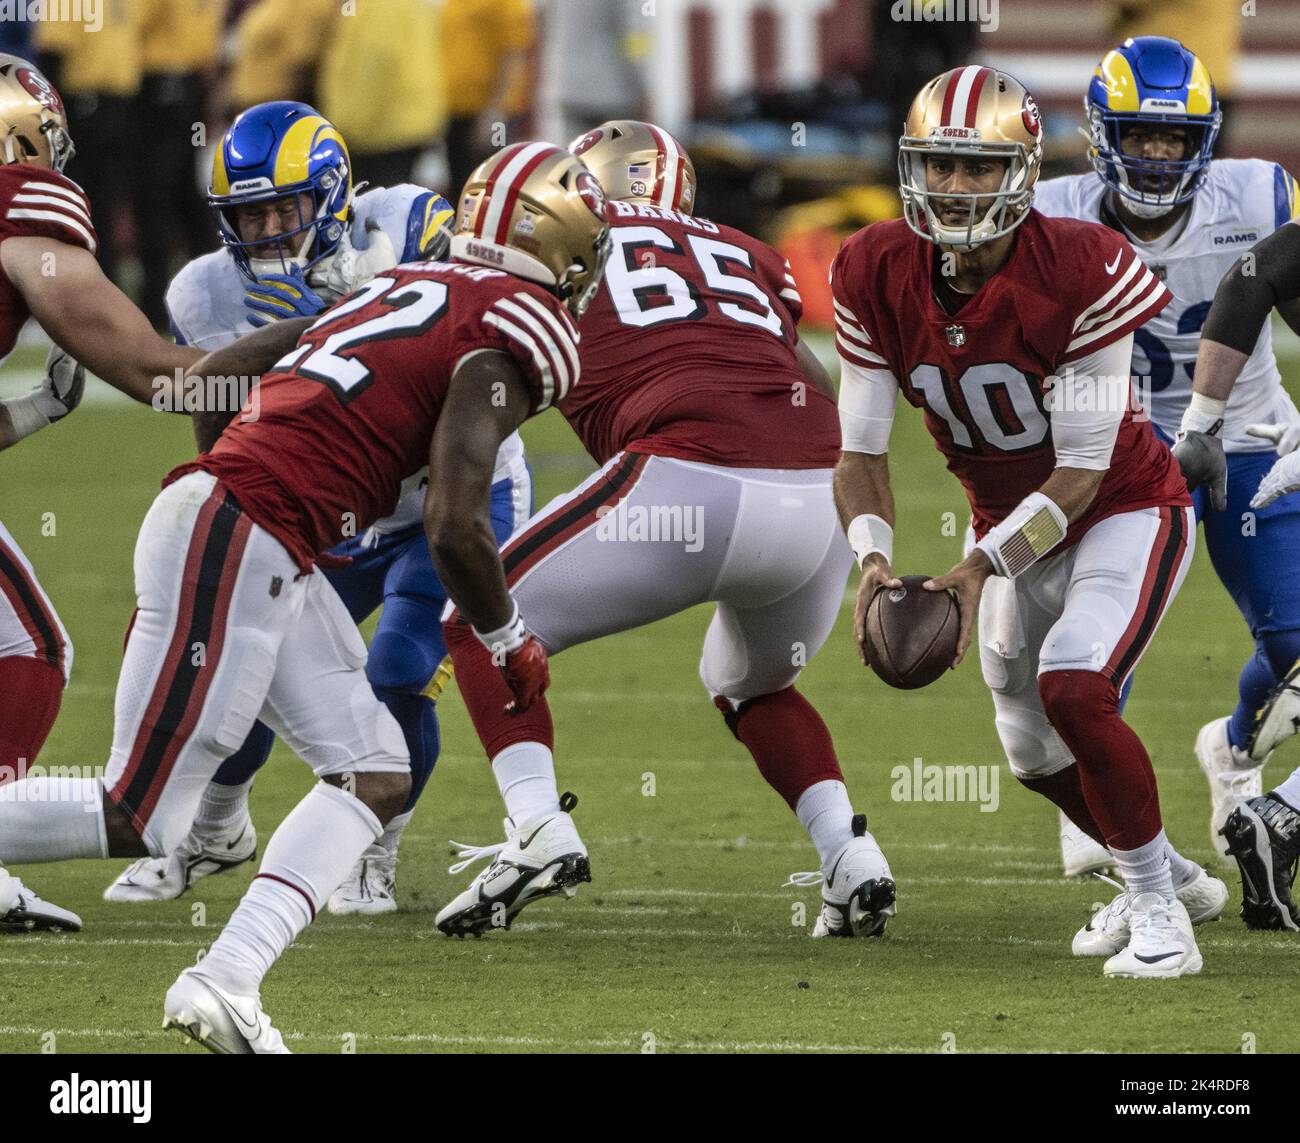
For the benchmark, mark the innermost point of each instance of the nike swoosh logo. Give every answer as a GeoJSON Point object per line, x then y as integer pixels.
{"type": "Point", "coordinates": [535, 832]}
{"type": "Point", "coordinates": [1111, 267]}
{"type": "Point", "coordinates": [834, 868]}
{"type": "Point", "coordinates": [250, 1030]}
{"type": "Point", "coordinates": [1154, 959]}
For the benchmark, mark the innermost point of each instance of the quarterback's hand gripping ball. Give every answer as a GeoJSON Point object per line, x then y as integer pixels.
{"type": "Point", "coordinates": [911, 634]}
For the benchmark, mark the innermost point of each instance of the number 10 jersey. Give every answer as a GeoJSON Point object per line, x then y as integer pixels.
{"type": "Point", "coordinates": [1068, 290]}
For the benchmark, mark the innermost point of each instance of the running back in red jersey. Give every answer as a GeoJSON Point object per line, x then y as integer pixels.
{"type": "Point", "coordinates": [688, 350]}
{"type": "Point", "coordinates": [980, 374]}
{"type": "Point", "coordinates": [351, 412]}
{"type": "Point", "coordinates": [36, 202]}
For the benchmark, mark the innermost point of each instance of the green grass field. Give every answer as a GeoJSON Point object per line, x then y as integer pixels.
{"type": "Point", "coordinates": [685, 940]}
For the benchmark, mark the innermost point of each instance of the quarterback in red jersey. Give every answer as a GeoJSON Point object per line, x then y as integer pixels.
{"type": "Point", "coordinates": [717, 432]}
{"type": "Point", "coordinates": [1012, 333]}
{"type": "Point", "coordinates": [434, 363]}
{"type": "Point", "coordinates": [48, 271]}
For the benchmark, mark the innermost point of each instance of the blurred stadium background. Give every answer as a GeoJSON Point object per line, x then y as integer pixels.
{"type": "Point", "coordinates": [791, 109]}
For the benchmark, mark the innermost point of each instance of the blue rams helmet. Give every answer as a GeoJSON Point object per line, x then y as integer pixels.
{"type": "Point", "coordinates": [1151, 79]}
{"type": "Point", "coordinates": [278, 151]}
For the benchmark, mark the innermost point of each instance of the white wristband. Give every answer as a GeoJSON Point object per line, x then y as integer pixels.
{"type": "Point", "coordinates": [1203, 414]}
{"type": "Point", "coordinates": [25, 415]}
{"type": "Point", "coordinates": [505, 639]}
{"type": "Point", "coordinates": [1034, 527]}
{"type": "Point", "coordinates": [869, 534]}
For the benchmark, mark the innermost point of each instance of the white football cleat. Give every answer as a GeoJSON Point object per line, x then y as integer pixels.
{"type": "Point", "coordinates": [539, 858]}
{"type": "Point", "coordinates": [22, 911]}
{"type": "Point", "coordinates": [1204, 897]}
{"type": "Point", "coordinates": [858, 895]}
{"type": "Point", "coordinates": [1233, 777]}
{"type": "Point", "coordinates": [222, 1022]}
{"type": "Point", "coordinates": [1279, 719]}
{"type": "Point", "coordinates": [371, 887]}
{"type": "Point", "coordinates": [1080, 854]}
{"type": "Point", "coordinates": [198, 856]}
{"type": "Point", "coordinates": [1161, 942]}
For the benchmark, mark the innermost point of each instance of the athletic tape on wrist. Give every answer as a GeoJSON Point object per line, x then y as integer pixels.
{"type": "Point", "coordinates": [25, 415]}
{"type": "Point", "coordinates": [1203, 414]}
{"type": "Point", "coordinates": [868, 534]}
{"type": "Point", "coordinates": [508, 638]}
{"type": "Point", "coordinates": [1033, 529]}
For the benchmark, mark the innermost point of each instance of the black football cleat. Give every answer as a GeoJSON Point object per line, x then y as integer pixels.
{"type": "Point", "coordinates": [1263, 835]}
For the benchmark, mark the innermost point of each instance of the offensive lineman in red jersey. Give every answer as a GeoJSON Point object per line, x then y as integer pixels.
{"type": "Point", "coordinates": [717, 431]}
{"type": "Point", "coordinates": [1012, 332]}
{"type": "Point", "coordinates": [232, 625]}
{"type": "Point", "coordinates": [48, 271]}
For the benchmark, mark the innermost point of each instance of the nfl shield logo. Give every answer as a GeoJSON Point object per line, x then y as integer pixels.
{"type": "Point", "coordinates": [956, 335]}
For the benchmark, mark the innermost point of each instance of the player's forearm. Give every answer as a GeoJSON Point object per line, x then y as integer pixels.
{"type": "Point", "coordinates": [862, 487]}
{"type": "Point", "coordinates": [811, 367]}
{"type": "Point", "coordinates": [465, 556]}
{"type": "Point", "coordinates": [1217, 368]}
{"type": "Point", "coordinates": [1072, 490]}
{"type": "Point", "coordinates": [8, 436]}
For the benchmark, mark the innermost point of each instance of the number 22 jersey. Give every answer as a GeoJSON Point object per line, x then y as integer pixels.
{"type": "Point", "coordinates": [1067, 290]}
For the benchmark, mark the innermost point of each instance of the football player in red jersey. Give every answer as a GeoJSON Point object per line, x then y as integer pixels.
{"type": "Point", "coordinates": [716, 430]}
{"type": "Point", "coordinates": [1012, 333]}
{"type": "Point", "coordinates": [48, 271]}
{"type": "Point", "coordinates": [429, 363]}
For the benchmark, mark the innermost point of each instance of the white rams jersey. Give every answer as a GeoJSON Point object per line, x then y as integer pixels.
{"type": "Point", "coordinates": [206, 304]}
{"type": "Point", "coordinates": [1241, 202]}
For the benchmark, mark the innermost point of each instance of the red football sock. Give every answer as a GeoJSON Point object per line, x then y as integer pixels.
{"type": "Point", "coordinates": [1065, 789]}
{"type": "Point", "coordinates": [486, 695]}
{"type": "Point", "coordinates": [30, 693]}
{"type": "Point", "coordinates": [788, 740]}
{"type": "Point", "coordinates": [1115, 771]}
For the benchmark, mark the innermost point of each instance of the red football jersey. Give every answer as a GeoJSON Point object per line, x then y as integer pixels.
{"type": "Point", "coordinates": [36, 202]}
{"type": "Point", "coordinates": [688, 350]}
{"type": "Point", "coordinates": [349, 414]}
{"type": "Point", "coordinates": [1069, 289]}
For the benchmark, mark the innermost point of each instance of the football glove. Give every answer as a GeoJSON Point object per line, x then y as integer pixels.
{"type": "Point", "coordinates": [277, 297]}
{"type": "Point", "coordinates": [64, 384]}
{"type": "Point", "coordinates": [522, 660]}
{"type": "Point", "coordinates": [1282, 478]}
{"type": "Point", "coordinates": [1286, 438]}
{"type": "Point", "coordinates": [1201, 457]}
{"type": "Point", "coordinates": [349, 268]}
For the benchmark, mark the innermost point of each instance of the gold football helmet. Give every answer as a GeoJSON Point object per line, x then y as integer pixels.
{"type": "Point", "coordinates": [32, 118]}
{"type": "Point", "coordinates": [535, 211]}
{"type": "Point", "coordinates": [966, 112]}
{"type": "Point", "coordinates": [639, 162]}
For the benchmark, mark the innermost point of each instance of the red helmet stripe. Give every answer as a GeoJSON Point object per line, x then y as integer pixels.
{"type": "Point", "coordinates": [973, 100]}
{"type": "Point", "coordinates": [945, 115]}
{"type": "Point", "coordinates": [503, 160]}
{"type": "Point", "coordinates": [517, 181]}
{"type": "Point", "coordinates": [668, 178]}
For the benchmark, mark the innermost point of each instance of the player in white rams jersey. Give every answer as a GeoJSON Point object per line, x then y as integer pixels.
{"type": "Point", "coordinates": [296, 239]}
{"type": "Point", "coordinates": [1153, 117]}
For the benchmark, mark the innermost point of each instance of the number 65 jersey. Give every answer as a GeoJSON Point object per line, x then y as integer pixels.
{"type": "Point", "coordinates": [688, 350]}
{"type": "Point", "coordinates": [341, 421]}
{"type": "Point", "coordinates": [1068, 290]}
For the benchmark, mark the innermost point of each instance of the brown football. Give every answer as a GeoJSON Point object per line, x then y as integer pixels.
{"type": "Point", "coordinates": [911, 633]}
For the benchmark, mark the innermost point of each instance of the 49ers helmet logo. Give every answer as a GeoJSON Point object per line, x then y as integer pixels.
{"type": "Point", "coordinates": [1029, 113]}
{"type": "Point", "coordinates": [40, 89]}
{"type": "Point", "coordinates": [589, 140]}
{"type": "Point", "coordinates": [590, 191]}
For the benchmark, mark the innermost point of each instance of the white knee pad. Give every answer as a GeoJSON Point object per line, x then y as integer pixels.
{"type": "Point", "coordinates": [1032, 747]}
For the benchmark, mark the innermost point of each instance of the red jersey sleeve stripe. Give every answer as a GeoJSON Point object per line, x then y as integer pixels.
{"type": "Point", "coordinates": [540, 361]}
{"type": "Point", "coordinates": [1150, 304]}
{"type": "Point", "coordinates": [74, 195]}
{"type": "Point", "coordinates": [561, 367]}
{"type": "Point", "coordinates": [851, 333]}
{"type": "Point", "coordinates": [29, 199]}
{"type": "Point", "coordinates": [565, 336]}
{"type": "Point", "coordinates": [846, 315]}
{"type": "Point", "coordinates": [86, 238]}
{"type": "Point", "coordinates": [857, 354]}
{"type": "Point", "coordinates": [1102, 302]}
{"type": "Point", "coordinates": [1140, 287]}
